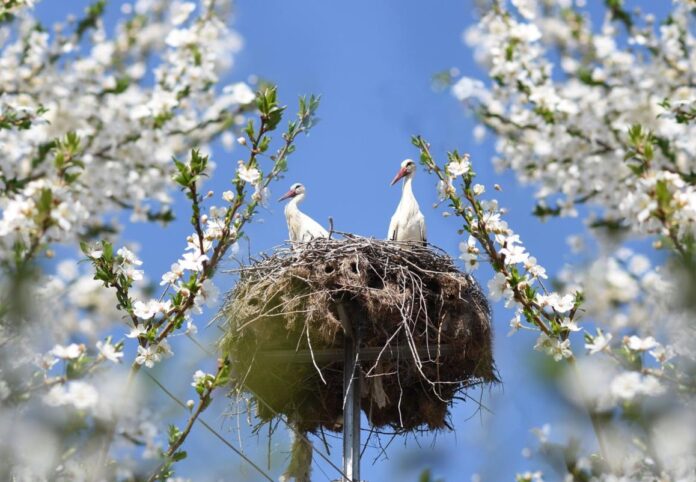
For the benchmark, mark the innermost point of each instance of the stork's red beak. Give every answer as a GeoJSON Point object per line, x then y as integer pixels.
{"type": "Point", "coordinates": [289, 194]}
{"type": "Point", "coordinates": [402, 172]}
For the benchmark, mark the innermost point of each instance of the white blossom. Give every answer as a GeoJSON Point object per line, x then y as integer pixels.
{"type": "Point", "coordinates": [534, 269]}
{"type": "Point", "coordinates": [560, 304]}
{"type": "Point", "coordinates": [536, 476]}
{"type": "Point", "coordinates": [95, 253]}
{"type": "Point", "coordinates": [261, 194]}
{"type": "Point", "coordinates": [570, 325]}
{"type": "Point", "coordinates": [629, 385]}
{"type": "Point", "coordinates": [191, 328]}
{"type": "Point", "coordinates": [198, 377]}
{"type": "Point", "coordinates": [109, 351]}
{"type": "Point", "coordinates": [69, 352]}
{"type": "Point", "coordinates": [527, 8]}
{"type": "Point", "coordinates": [498, 287]}
{"type": "Point", "coordinates": [599, 343]}
{"type": "Point", "coordinates": [641, 344]}
{"type": "Point", "coordinates": [515, 323]}
{"type": "Point", "coordinates": [181, 12]}
{"type": "Point", "coordinates": [148, 356]}
{"type": "Point", "coordinates": [554, 347]}
{"type": "Point", "coordinates": [147, 310]}
{"type": "Point", "coordinates": [80, 394]}
{"type": "Point", "coordinates": [514, 253]}
{"type": "Point", "coordinates": [662, 354]}
{"type": "Point", "coordinates": [248, 174]}
{"type": "Point", "coordinates": [468, 88]}
{"type": "Point", "coordinates": [144, 310]}
{"type": "Point", "coordinates": [128, 256]}
{"type": "Point", "coordinates": [209, 293]}
{"type": "Point", "coordinates": [193, 261]}
{"type": "Point", "coordinates": [137, 331]}
{"type": "Point", "coordinates": [173, 275]}
{"type": "Point", "coordinates": [241, 93]}
{"type": "Point", "coordinates": [469, 253]}
{"type": "Point", "coordinates": [459, 167]}
{"type": "Point", "coordinates": [164, 349]}
{"type": "Point", "coordinates": [444, 189]}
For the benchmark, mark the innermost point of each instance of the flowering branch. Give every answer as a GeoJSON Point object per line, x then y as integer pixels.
{"type": "Point", "coordinates": [208, 245]}
{"type": "Point", "coordinates": [517, 272]}
{"type": "Point", "coordinates": [204, 384]}
{"type": "Point", "coordinates": [515, 268]}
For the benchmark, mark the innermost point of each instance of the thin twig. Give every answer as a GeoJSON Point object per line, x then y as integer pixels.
{"type": "Point", "coordinates": [212, 430]}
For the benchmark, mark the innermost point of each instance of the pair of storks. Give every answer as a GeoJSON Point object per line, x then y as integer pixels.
{"type": "Point", "coordinates": [407, 223]}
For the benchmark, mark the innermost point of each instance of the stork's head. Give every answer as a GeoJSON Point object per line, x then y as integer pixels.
{"type": "Point", "coordinates": [408, 167]}
{"type": "Point", "coordinates": [296, 189]}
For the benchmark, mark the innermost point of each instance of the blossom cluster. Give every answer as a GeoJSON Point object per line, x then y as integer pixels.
{"type": "Point", "coordinates": [599, 118]}
{"type": "Point", "coordinates": [8, 8]}
{"type": "Point", "coordinates": [608, 125]}
{"type": "Point", "coordinates": [90, 119]}
{"type": "Point", "coordinates": [65, 166]}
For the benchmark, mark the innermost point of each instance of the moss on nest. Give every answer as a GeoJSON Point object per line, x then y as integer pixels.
{"type": "Point", "coordinates": [424, 327]}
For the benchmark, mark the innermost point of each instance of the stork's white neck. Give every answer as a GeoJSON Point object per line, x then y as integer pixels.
{"type": "Point", "coordinates": [292, 205]}
{"type": "Point", "coordinates": [407, 188]}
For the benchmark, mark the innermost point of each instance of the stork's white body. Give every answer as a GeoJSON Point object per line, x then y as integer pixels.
{"type": "Point", "coordinates": [301, 227]}
{"type": "Point", "coordinates": [407, 223]}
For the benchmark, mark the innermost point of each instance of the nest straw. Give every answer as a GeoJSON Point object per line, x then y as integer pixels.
{"type": "Point", "coordinates": [425, 332]}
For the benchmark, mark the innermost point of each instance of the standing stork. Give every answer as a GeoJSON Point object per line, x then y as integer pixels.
{"type": "Point", "coordinates": [407, 223]}
{"type": "Point", "coordinates": [301, 227]}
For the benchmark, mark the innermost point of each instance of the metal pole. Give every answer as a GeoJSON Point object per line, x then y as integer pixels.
{"type": "Point", "coordinates": [351, 401]}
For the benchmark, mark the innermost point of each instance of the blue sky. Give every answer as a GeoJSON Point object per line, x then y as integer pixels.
{"type": "Point", "coordinates": [372, 63]}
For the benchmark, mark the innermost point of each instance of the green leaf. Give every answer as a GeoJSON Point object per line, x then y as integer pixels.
{"type": "Point", "coordinates": [265, 142]}
{"type": "Point", "coordinates": [173, 433]}
{"type": "Point", "coordinates": [108, 251]}
{"type": "Point", "coordinates": [45, 200]}
{"type": "Point", "coordinates": [585, 76]}
{"type": "Point", "coordinates": [543, 211]}
{"type": "Point", "coordinates": [274, 117]}
{"type": "Point", "coordinates": [510, 49]}
{"type": "Point", "coordinates": [93, 12]}
{"type": "Point", "coordinates": [546, 114]}
{"type": "Point", "coordinates": [635, 133]}
{"type": "Point", "coordinates": [619, 13]}
{"type": "Point", "coordinates": [249, 129]}
{"type": "Point", "coordinates": [662, 195]}
{"type": "Point", "coordinates": [76, 368]}
{"type": "Point", "coordinates": [122, 84]}
{"type": "Point", "coordinates": [198, 162]}
{"type": "Point", "coordinates": [161, 119]}
{"type": "Point", "coordinates": [180, 455]}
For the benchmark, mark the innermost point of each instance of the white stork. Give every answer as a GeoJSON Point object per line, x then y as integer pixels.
{"type": "Point", "coordinates": [407, 223]}
{"type": "Point", "coordinates": [301, 227]}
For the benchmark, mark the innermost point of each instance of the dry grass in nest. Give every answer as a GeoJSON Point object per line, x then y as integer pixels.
{"type": "Point", "coordinates": [424, 325]}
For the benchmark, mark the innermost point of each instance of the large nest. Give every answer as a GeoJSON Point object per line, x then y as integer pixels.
{"type": "Point", "coordinates": [424, 332]}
